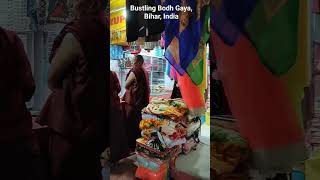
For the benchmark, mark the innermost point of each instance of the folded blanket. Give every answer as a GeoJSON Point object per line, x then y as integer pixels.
{"type": "Point", "coordinates": [228, 150]}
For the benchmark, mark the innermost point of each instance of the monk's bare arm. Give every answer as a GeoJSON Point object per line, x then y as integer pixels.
{"type": "Point", "coordinates": [130, 80]}
{"type": "Point", "coordinates": [67, 54]}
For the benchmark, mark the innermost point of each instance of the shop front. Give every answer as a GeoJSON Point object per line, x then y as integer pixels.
{"type": "Point", "coordinates": [174, 140]}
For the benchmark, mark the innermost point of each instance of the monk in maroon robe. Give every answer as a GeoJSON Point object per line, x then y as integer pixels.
{"type": "Point", "coordinates": [16, 88]}
{"type": "Point", "coordinates": [76, 111]}
{"type": "Point", "coordinates": [136, 97]}
{"type": "Point", "coordinates": [118, 138]}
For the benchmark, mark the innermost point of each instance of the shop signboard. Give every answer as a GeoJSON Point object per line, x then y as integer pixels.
{"type": "Point", "coordinates": [118, 27]}
{"type": "Point", "coordinates": [59, 11]}
{"type": "Point", "coordinates": [117, 4]}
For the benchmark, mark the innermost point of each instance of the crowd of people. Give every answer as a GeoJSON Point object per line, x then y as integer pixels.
{"type": "Point", "coordinates": [126, 111]}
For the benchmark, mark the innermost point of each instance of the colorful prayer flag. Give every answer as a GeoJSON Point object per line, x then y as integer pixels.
{"type": "Point", "coordinates": [272, 125]}
{"type": "Point", "coordinates": [228, 18]}
{"type": "Point", "coordinates": [182, 36]}
{"type": "Point", "coordinates": [195, 69]}
{"type": "Point", "coordinates": [274, 25]}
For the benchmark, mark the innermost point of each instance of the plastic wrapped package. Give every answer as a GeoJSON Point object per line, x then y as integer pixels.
{"type": "Point", "coordinates": [189, 145]}
{"type": "Point", "coordinates": [172, 143]}
{"type": "Point", "coordinates": [193, 127]}
{"type": "Point", "coordinates": [151, 163]}
{"type": "Point", "coordinates": [228, 150]}
{"type": "Point", "coordinates": [147, 174]}
{"type": "Point", "coordinates": [143, 147]}
{"type": "Point", "coordinates": [174, 109]}
{"type": "Point", "coordinates": [151, 116]}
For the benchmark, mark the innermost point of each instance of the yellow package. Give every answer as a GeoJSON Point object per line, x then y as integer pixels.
{"type": "Point", "coordinates": [208, 117]}
{"type": "Point", "coordinates": [312, 165]}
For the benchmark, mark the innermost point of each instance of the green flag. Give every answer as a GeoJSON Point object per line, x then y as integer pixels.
{"type": "Point", "coordinates": [273, 30]}
{"type": "Point", "coordinates": [195, 69]}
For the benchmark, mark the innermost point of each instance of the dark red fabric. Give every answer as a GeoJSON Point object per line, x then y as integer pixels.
{"type": "Point", "coordinates": [138, 94]}
{"type": "Point", "coordinates": [80, 105]}
{"type": "Point", "coordinates": [77, 113]}
{"type": "Point", "coordinates": [133, 118]}
{"type": "Point", "coordinates": [16, 88]}
{"type": "Point", "coordinates": [118, 137]}
{"type": "Point", "coordinates": [115, 89]}
{"type": "Point", "coordinates": [74, 160]}
{"type": "Point", "coordinates": [14, 156]}
{"type": "Point", "coordinates": [136, 98]}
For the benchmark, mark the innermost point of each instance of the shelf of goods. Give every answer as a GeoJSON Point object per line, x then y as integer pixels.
{"type": "Point", "coordinates": [156, 68]}
{"type": "Point", "coordinates": [166, 132]}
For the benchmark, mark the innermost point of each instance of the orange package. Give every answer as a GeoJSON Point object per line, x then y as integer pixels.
{"type": "Point", "coordinates": [146, 174]}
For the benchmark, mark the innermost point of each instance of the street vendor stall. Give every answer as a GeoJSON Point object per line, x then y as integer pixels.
{"type": "Point", "coordinates": [166, 133]}
{"type": "Point", "coordinates": [174, 138]}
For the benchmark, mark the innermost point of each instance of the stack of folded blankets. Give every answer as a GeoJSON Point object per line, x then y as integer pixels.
{"type": "Point", "coordinates": [228, 151]}
{"type": "Point", "coordinates": [166, 132]}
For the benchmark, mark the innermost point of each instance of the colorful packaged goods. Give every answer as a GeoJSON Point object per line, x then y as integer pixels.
{"type": "Point", "coordinates": [152, 164]}
{"type": "Point", "coordinates": [228, 150]}
{"type": "Point", "coordinates": [155, 149]}
{"type": "Point", "coordinates": [147, 174]}
{"type": "Point", "coordinates": [173, 109]}
{"type": "Point", "coordinates": [190, 145]}
{"type": "Point", "coordinates": [149, 124]}
{"type": "Point", "coordinates": [192, 127]}
{"type": "Point", "coordinates": [166, 132]}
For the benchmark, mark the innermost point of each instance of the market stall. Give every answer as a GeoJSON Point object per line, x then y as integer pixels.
{"type": "Point", "coordinates": [122, 54]}
{"type": "Point", "coordinates": [167, 132]}
{"type": "Point", "coordinates": [174, 138]}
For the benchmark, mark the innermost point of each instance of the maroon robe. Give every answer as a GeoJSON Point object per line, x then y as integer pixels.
{"type": "Point", "coordinates": [115, 89]}
{"type": "Point", "coordinates": [136, 98]}
{"type": "Point", "coordinates": [77, 113]}
{"type": "Point", "coordinates": [118, 138]}
{"type": "Point", "coordinates": [17, 87]}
